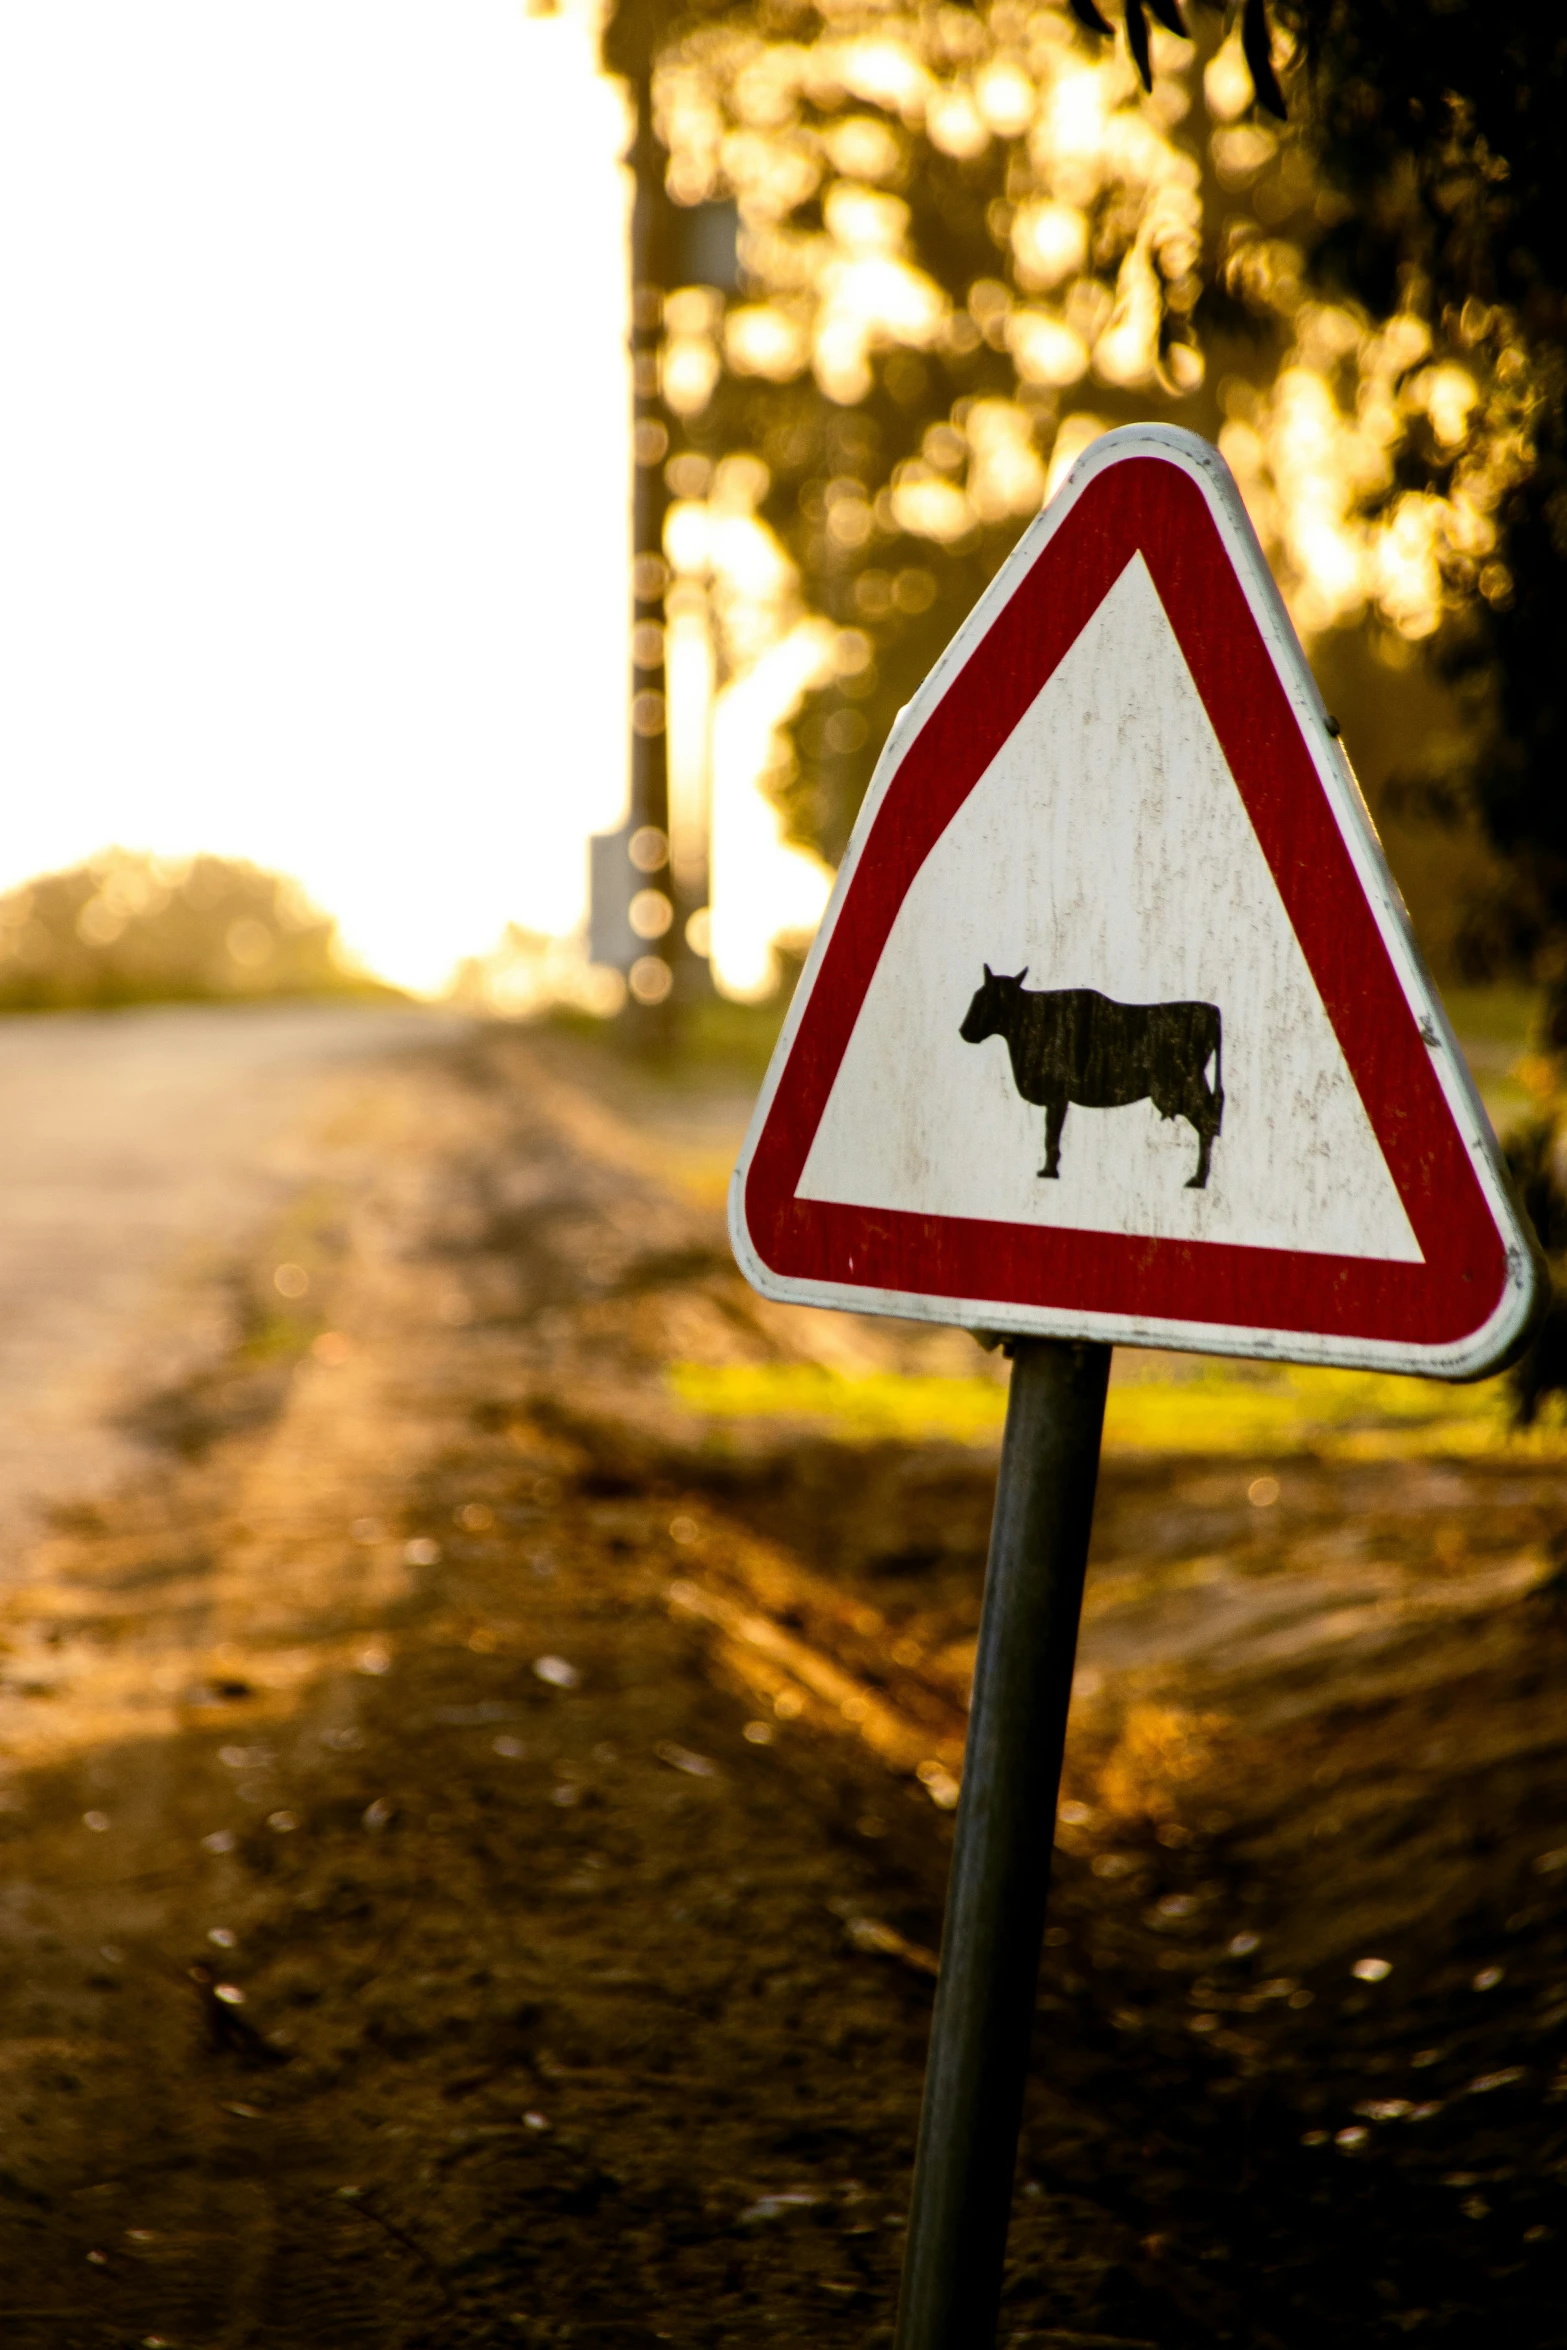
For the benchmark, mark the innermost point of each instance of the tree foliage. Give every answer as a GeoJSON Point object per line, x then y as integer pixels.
{"type": "Point", "coordinates": [972, 238]}
{"type": "Point", "coordinates": [959, 228]}
{"type": "Point", "coordinates": [126, 928]}
{"type": "Point", "coordinates": [1439, 121]}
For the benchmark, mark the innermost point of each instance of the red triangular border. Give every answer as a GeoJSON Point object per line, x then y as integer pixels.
{"type": "Point", "coordinates": [1147, 504]}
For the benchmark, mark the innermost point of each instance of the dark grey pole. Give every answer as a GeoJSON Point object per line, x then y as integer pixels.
{"type": "Point", "coordinates": [995, 1918]}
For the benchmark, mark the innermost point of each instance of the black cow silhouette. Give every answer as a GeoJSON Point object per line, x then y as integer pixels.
{"type": "Point", "coordinates": [1071, 1044]}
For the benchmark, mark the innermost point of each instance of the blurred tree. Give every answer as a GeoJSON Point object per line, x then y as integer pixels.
{"type": "Point", "coordinates": [949, 220]}
{"type": "Point", "coordinates": [132, 929]}
{"type": "Point", "coordinates": [1439, 122]}
{"type": "Point", "coordinates": [971, 239]}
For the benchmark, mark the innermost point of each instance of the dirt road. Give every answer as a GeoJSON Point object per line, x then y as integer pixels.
{"type": "Point", "coordinates": [477, 1801]}
{"type": "Point", "coordinates": [138, 1150]}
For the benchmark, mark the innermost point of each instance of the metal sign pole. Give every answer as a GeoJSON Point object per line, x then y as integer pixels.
{"type": "Point", "coordinates": [1001, 1856]}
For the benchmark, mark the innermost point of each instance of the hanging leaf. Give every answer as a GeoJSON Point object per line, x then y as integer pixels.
{"type": "Point", "coordinates": [1259, 58]}
{"type": "Point", "coordinates": [1088, 15]}
{"type": "Point", "coordinates": [1254, 41]}
{"type": "Point", "coordinates": [1137, 41]}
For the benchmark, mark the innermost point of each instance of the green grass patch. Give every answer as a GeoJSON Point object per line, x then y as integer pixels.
{"type": "Point", "coordinates": [1244, 1411]}
{"type": "Point", "coordinates": [1364, 1415]}
{"type": "Point", "coordinates": [709, 1039]}
{"type": "Point", "coordinates": [859, 1410]}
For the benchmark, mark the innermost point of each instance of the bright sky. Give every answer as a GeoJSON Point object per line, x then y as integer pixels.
{"type": "Point", "coordinates": [312, 452]}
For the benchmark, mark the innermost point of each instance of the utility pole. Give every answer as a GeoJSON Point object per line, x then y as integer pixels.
{"type": "Point", "coordinates": [641, 898]}
{"type": "Point", "coordinates": [653, 908]}
{"type": "Point", "coordinates": [635, 913]}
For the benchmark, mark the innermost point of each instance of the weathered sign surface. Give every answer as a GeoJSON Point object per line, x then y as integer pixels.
{"type": "Point", "coordinates": [1114, 1027]}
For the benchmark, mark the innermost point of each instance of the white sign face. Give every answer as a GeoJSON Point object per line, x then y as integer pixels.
{"type": "Point", "coordinates": [1106, 846]}
{"type": "Point", "coordinates": [1114, 1027]}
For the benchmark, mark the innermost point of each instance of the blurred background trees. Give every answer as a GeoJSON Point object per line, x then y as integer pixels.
{"type": "Point", "coordinates": [1441, 126]}
{"type": "Point", "coordinates": [128, 929]}
{"type": "Point", "coordinates": [971, 238]}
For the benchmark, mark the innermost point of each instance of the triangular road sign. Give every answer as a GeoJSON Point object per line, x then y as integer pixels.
{"type": "Point", "coordinates": [1114, 1027]}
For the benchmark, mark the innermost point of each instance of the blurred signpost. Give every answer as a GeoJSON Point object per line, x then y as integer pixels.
{"type": "Point", "coordinates": [1114, 1030]}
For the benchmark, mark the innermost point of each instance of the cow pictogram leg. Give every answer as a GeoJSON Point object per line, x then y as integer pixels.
{"type": "Point", "coordinates": [1206, 1117]}
{"type": "Point", "coordinates": [1055, 1119]}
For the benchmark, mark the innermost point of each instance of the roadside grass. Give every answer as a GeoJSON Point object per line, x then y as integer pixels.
{"type": "Point", "coordinates": [1155, 1406]}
